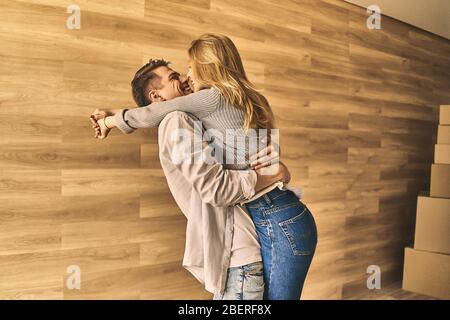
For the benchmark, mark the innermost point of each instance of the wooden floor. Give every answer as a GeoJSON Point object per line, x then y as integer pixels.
{"type": "Point", "coordinates": [357, 109]}
{"type": "Point", "coordinates": [393, 291]}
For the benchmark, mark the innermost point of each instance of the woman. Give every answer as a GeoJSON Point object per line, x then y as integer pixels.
{"type": "Point", "coordinates": [224, 99]}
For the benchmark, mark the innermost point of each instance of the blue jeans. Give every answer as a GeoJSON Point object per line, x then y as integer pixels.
{"type": "Point", "coordinates": [288, 236]}
{"type": "Point", "coordinates": [244, 283]}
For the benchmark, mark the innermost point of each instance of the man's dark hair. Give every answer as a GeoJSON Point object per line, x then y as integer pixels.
{"type": "Point", "coordinates": [142, 78]}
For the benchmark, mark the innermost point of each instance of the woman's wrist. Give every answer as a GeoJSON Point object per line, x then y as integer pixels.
{"type": "Point", "coordinates": [110, 122]}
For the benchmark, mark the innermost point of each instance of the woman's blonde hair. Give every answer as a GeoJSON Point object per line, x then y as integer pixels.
{"type": "Point", "coordinates": [215, 62]}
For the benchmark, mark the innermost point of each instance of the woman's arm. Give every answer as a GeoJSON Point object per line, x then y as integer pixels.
{"type": "Point", "coordinates": [214, 184]}
{"type": "Point", "coordinates": [200, 104]}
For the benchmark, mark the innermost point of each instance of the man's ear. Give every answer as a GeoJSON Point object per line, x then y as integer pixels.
{"type": "Point", "coordinates": [154, 96]}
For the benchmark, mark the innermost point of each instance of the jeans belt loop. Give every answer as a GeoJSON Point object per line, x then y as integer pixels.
{"type": "Point", "coordinates": [267, 199]}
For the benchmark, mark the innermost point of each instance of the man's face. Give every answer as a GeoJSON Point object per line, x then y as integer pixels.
{"type": "Point", "coordinates": [169, 85]}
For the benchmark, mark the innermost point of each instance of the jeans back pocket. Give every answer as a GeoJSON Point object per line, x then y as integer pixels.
{"type": "Point", "coordinates": [301, 233]}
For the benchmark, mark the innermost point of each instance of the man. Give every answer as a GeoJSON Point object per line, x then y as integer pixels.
{"type": "Point", "coordinates": [222, 250]}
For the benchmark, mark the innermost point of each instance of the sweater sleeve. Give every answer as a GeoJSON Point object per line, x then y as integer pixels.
{"type": "Point", "coordinates": [200, 104]}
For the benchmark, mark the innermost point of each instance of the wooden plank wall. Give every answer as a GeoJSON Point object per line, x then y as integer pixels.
{"type": "Point", "coordinates": [357, 110]}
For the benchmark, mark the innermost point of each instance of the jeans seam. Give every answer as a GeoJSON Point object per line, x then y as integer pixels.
{"type": "Point", "coordinates": [241, 291]}
{"type": "Point", "coordinates": [265, 204]}
{"type": "Point", "coordinates": [280, 208]}
{"type": "Point", "coordinates": [270, 231]}
{"type": "Point", "coordinates": [248, 266]}
{"type": "Point", "coordinates": [291, 220]}
{"type": "Point", "coordinates": [278, 195]}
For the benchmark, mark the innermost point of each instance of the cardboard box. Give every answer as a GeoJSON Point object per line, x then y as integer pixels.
{"type": "Point", "coordinates": [443, 136]}
{"type": "Point", "coordinates": [444, 115]}
{"type": "Point", "coordinates": [440, 180]}
{"type": "Point", "coordinates": [427, 273]}
{"type": "Point", "coordinates": [432, 225]}
{"type": "Point", "coordinates": [442, 154]}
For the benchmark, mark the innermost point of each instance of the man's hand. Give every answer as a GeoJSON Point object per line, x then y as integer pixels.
{"type": "Point", "coordinates": [285, 175]}
{"type": "Point", "coordinates": [276, 172]}
{"type": "Point", "coordinates": [268, 156]}
{"type": "Point", "coordinates": [279, 172]}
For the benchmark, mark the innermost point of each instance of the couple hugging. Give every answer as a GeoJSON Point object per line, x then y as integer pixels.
{"type": "Point", "coordinates": [248, 236]}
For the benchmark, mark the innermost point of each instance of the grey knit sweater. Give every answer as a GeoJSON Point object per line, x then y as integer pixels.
{"type": "Point", "coordinates": [209, 106]}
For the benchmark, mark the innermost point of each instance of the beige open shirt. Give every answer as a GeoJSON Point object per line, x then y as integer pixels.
{"type": "Point", "coordinates": [218, 234]}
